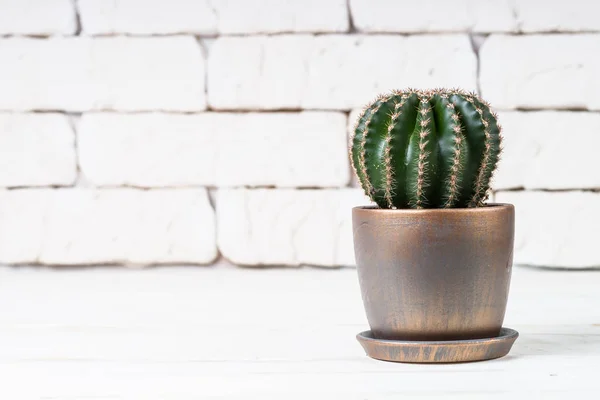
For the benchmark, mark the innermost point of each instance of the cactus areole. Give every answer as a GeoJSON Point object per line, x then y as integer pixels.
{"type": "Point", "coordinates": [426, 149]}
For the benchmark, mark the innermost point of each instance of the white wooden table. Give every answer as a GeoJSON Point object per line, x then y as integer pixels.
{"type": "Point", "coordinates": [223, 332]}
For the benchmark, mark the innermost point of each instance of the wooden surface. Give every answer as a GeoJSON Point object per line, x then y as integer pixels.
{"type": "Point", "coordinates": [222, 332]}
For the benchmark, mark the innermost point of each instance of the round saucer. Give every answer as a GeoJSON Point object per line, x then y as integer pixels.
{"type": "Point", "coordinates": [451, 351]}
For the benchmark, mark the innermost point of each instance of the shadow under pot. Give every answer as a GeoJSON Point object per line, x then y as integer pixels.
{"type": "Point", "coordinates": [434, 274]}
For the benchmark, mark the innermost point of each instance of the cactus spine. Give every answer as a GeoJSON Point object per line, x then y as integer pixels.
{"type": "Point", "coordinates": [426, 149]}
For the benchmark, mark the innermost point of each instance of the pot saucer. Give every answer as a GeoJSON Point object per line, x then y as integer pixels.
{"type": "Point", "coordinates": [451, 351]}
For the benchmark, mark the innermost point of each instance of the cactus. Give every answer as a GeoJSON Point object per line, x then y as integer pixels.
{"type": "Point", "coordinates": [426, 149]}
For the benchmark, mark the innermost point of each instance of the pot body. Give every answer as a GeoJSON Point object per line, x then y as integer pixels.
{"type": "Point", "coordinates": [434, 274]}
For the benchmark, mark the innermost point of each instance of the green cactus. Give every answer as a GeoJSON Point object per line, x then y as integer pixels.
{"type": "Point", "coordinates": [426, 149]}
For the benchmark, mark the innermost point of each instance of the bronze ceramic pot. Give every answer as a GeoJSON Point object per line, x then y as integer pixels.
{"type": "Point", "coordinates": [434, 274]}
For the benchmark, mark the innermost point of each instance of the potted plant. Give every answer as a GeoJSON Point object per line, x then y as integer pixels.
{"type": "Point", "coordinates": [434, 260]}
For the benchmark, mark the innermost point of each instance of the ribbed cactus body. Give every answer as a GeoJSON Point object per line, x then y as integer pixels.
{"type": "Point", "coordinates": [426, 149]}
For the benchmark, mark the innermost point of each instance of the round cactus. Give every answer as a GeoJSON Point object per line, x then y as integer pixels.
{"type": "Point", "coordinates": [426, 149]}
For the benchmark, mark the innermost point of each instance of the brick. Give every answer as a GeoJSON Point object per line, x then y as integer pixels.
{"type": "Point", "coordinates": [331, 71]}
{"type": "Point", "coordinates": [560, 16]}
{"type": "Point", "coordinates": [36, 150]}
{"type": "Point", "coordinates": [86, 226]}
{"type": "Point", "coordinates": [538, 155]}
{"type": "Point", "coordinates": [555, 229]}
{"type": "Point", "coordinates": [147, 17]}
{"type": "Point", "coordinates": [541, 71]}
{"type": "Point", "coordinates": [120, 73]}
{"type": "Point", "coordinates": [276, 16]}
{"type": "Point", "coordinates": [37, 17]}
{"type": "Point", "coordinates": [406, 16]}
{"type": "Point", "coordinates": [205, 17]}
{"type": "Point", "coordinates": [258, 72]}
{"type": "Point", "coordinates": [215, 149]}
{"type": "Point", "coordinates": [287, 227]}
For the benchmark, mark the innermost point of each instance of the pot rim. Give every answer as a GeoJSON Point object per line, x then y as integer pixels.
{"type": "Point", "coordinates": [487, 208]}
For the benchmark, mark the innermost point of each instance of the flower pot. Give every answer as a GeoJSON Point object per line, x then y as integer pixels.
{"type": "Point", "coordinates": [434, 274]}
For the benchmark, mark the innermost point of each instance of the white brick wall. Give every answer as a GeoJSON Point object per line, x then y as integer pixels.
{"type": "Point", "coordinates": [332, 71]}
{"type": "Point", "coordinates": [83, 226]}
{"type": "Point", "coordinates": [36, 150]}
{"type": "Point", "coordinates": [277, 16]}
{"type": "Point", "coordinates": [147, 17]}
{"type": "Point", "coordinates": [407, 16]}
{"type": "Point", "coordinates": [37, 17]}
{"type": "Point", "coordinates": [120, 73]}
{"type": "Point", "coordinates": [289, 227]}
{"type": "Point", "coordinates": [549, 150]}
{"type": "Point", "coordinates": [555, 229]}
{"type": "Point", "coordinates": [305, 149]}
{"type": "Point", "coordinates": [209, 17]}
{"type": "Point", "coordinates": [481, 16]}
{"type": "Point", "coordinates": [253, 99]}
{"type": "Point", "coordinates": [541, 71]}
{"type": "Point", "coordinates": [558, 16]}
